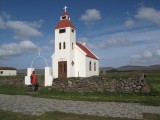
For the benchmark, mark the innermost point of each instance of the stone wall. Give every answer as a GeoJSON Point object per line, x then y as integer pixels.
{"type": "Point", "coordinates": [95, 84]}
{"type": "Point", "coordinates": [12, 81]}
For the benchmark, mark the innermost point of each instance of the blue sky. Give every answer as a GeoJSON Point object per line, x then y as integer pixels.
{"type": "Point", "coordinates": [119, 32]}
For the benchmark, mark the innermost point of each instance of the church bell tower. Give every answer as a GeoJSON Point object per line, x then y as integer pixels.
{"type": "Point", "coordinates": [65, 40]}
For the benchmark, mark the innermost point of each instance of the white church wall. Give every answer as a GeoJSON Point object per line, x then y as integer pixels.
{"type": "Point", "coordinates": [72, 52]}
{"type": "Point", "coordinates": [80, 60]}
{"type": "Point", "coordinates": [92, 71]}
{"type": "Point", "coordinates": [54, 66]}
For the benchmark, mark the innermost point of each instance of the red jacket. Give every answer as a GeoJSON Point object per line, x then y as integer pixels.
{"type": "Point", "coordinates": [33, 79]}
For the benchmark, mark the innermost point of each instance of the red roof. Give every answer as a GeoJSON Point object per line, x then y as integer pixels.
{"type": "Point", "coordinates": [65, 13]}
{"type": "Point", "coordinates": [7, 68]}
{"type": "Point", "coordinates": [87, 51]}
{"type": "Point", "coordinates": [64, 23]}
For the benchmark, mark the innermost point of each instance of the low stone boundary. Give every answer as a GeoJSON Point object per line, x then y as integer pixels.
{"type": "Point", "coordinates": [18, 82]}
{"type": "Point", "coordinates": [95, 84]}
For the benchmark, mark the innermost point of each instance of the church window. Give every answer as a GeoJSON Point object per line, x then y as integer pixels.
{"type": "Point", "coordinates": [59, 45]}
{"type": "Point", "coordinates": [1, 72]}
{"type": "Point", "coordinates": [64, 45]}
{"type": "Point", "coordinates": [72, 30]}
{"type": "Point", "coordinates": [90, 66]}
{"type": "Point", "coordinates": [62, 30]}
{"type": "Point", "coordinates": [72, 45]}
{"type": "Point", "coordinates": [72, 63]}
{"type": "Point", "coordinates": [64, 17]}
{"type": "Point", "coordinates": [94, 66]}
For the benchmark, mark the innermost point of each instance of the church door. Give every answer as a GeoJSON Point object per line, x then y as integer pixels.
{"type": "Point", "coordinates": [62, 69]}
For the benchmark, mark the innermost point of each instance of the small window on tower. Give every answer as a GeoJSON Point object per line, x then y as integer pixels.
{"type": "Point", "coordinates": [59, 45]}
{"type": "Point", "coordinates": [72, 30]}
{"type": "Point", "coordinates": [64, 17]}
{"type": "Point", "coordinates": [64, 45]}
{"type": "Point", "coordinates": [62, 30]}
{"type": "Point", "coordinates": [72, 45]}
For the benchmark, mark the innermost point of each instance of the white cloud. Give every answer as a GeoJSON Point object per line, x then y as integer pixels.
{"type": "Point", "coordinates": [84, 39]}
{"type": "Point", "coordinates": [147, 55]}
{"type": "Point", "coordinates": [114, 42]}
{"type": "Point", "coordinates": [91, 15]}
{"type": "Point", "coordinates": [129, 23]}
{"type": "Point", "coordinates": [15, 49]}
{"type": "Point", "coordinates": [2, 23]}
{"type": "Point", "coordinates": [150, 14]}
{"type": "Point", "coordinates": [157, 52]}
{"type": "Point", "coordinates": [109, 43]}
{"type": "Point", "coordinates": [23, 30]}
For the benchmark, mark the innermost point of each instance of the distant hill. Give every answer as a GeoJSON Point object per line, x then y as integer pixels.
{"type": "Point", "coordinates": [123, 68]}
{"type": "Point", "coordinates": [130, 68]}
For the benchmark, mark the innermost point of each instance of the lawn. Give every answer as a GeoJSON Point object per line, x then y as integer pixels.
{"type": "Point", "coordinates": [6, 115]}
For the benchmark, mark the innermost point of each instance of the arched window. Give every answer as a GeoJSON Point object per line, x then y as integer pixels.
{"type": "Point", "coordinates": [90, 66]}
{"type": "Point", "coordinates": [94, 66]}
{"type": "Point", "coordinates": [72, 45]}
{"type": "Point", "coordinates": [64, 45]}
{"type": "Point", "coordinates": [59, 45]}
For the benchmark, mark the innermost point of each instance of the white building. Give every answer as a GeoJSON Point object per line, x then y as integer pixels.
{"type": "Point", "coordinates": [8, 71]}
{"type": "Point", "coordinates": [71, 59]}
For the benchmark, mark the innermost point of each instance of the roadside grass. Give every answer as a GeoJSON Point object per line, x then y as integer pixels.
{"type": "Point", "coordinates": [153, 80]}
{"type": "Point", "coordinates": [7, 115]}
{"type": "Point", "coordinates": [147, 99]}
{"type": "Point", "coordinates": [13, 90]}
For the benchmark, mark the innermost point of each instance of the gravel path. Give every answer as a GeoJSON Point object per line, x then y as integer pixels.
{"type": "Point", "coordinates": [38, 106]}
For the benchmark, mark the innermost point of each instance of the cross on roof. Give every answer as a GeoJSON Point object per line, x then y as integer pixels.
{"type": "Point", "coordinates": [65, 8]}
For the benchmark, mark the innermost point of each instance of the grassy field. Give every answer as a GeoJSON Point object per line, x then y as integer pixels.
{"type": "Point", "coordinates": [6, 115]}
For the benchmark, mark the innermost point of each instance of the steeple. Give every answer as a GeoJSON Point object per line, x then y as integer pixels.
{"type": "Point", "coordinates": [64, 20]}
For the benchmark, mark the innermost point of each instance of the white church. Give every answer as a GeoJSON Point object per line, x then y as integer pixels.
{"type": "Point", "coordinates": [71, 58]}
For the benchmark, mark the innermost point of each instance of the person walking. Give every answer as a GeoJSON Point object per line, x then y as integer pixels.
{"type": "Point", "coordinates": [34, 82]}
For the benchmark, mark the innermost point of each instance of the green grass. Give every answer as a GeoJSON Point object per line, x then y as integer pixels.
{"type": "Point", "coordinates": [7, 115]}
{"type": "Point", "coordinates": [13, 90]}
{"type": "Point", "coordinates": [17, 77]}
{"type": "Point", "coordinates": [153, 80]}
{"type": "Point", "coordinates": [147, 99]}
{"type": "Point", "coordinates": [131, 74]}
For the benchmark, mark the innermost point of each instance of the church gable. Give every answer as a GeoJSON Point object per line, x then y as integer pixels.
{"type": "Point", "coordinates": [64, 23]}
{"type": "Point", "coordinates": [87, 51]}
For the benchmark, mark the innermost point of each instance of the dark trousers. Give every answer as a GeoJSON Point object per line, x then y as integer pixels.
{"type": "Point", "coordinates": [35, 87]}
